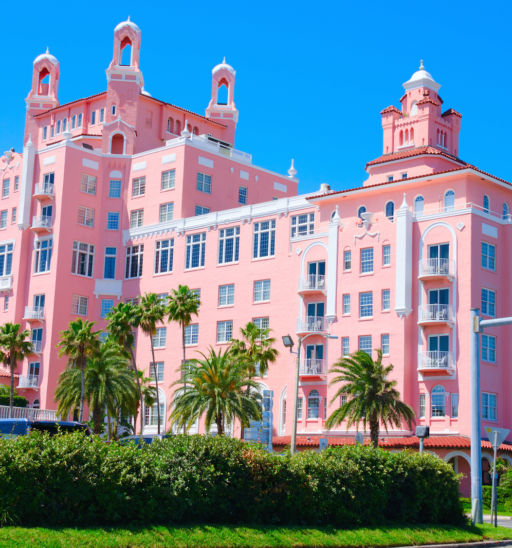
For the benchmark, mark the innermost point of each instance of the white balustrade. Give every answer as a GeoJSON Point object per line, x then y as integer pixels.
{"type": "Point", "coordinates": [314, 282]}
{"type": "Point", "coordinates": [312, 366]}
{"type": "Point", "coordinates": [436, 267]}
{"type": "Point", "coordinates": [44, 221]}
{"type": "Point", "coordinates": [28, 381]}
{"type": "Point", "coordinates": [436, 359]}
{"type": "Point", "coordinates": [435, 313]}
{"type": "Point", "coordinates": [311, 324]}
{"type": "Point", "coordinates": [44, 189]}
{"type": "Point", "coordinates": [28, 413]}
{"type": "Point", "coordinates": [34, 313]}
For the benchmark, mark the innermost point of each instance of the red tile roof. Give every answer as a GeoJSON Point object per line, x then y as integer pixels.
{"type": "Point", "coordinates": [417, 151]}
{"type": "Point", "coordinates": [4, 372]}
{"type": "Point", "coordinates": [390, 109]}
{"type": "Point", "coordinates": [451, 111]}
{"type": "Point", "coordinates": [428, 100]}
{"type": "Point", "coordinates": [66, 105]}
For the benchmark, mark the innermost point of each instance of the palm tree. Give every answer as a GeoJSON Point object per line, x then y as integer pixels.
{"type": "Point", "coordinates": [152, 311]}
{"type": "Point", "coordinates": [14, 347]}
{"type": "Point", "coordinates": [79, 343]}
{"type": "Point", "coordinates": [372, 397]}
{"type": "Point", "coordinates": [217, 387]}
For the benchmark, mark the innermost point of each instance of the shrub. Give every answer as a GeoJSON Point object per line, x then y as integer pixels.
{"type": "Point", "coordinates": [18, 401]}
{"type": "Point", "coordinates": [504, 496]}
{"type": "Point", "coordinates": [76, 480]}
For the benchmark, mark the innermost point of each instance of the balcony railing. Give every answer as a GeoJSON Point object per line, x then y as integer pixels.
{"type": "Point", "coordinates": [312, 366]}
{"type": "Point", "coordinates": [28, 381]}
{"type": "Point", "coordinates": [436, 268]}
{"type": "Point", "coordinates": [5, 282]}
{"type": "Point", "coordinates": [44, 221]}
{"type": "Point", "coordinates": [37, 347]}
{"type": "Point", "coordinates": [311, 324]}
{"type": "Point", "coordinates": [435, 313]}
{"type": "Point", "coordinates": [314, 282]}
{"type": "Point", "coordinates": [44, 190]}
{"type": "Point", "coordinates": [28, 413]}
{"type": "Point", "coordinates": [34, 313]}
{"type": "Point", "coordinates": [436, 359]}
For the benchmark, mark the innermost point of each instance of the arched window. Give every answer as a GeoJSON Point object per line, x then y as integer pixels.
{"type": "Point", "coordinates": [444, 139]}
{"type": "Point", "coordinates": [401, 137]}
{"type": "Point", "coordinates": [313, 404]}
{"type": "Point", "coordinates": [178, 127]}
{"type": "Point", "coordinates": [117, 144]}
{"type": "Point", "coordinates": [486, 203]}
{"type": "Point", "coordinates": [126, 52]}
{"type": "Point", "coordinates": [449, 200]}
{"type": "Point", "coordinates": [414, 109]}
{"type": "Point", "coordinates": [406, 136]}
{"type": "Point", "coordinates": [360, 211]}
{"type": "Point", "coordinates": [419, 204]}
{"type": "Point", "coordinates": [170, 125]}
{"type": "Point", "coordinates": [151, 413]}
{"type": "Point", "coordinates": [195, 131]}
{"type": "Point", "coordinates": [505, 211]}
{"type": "Point", "coordinates": [412, 136]}
{"type": "Point", "coordinates": [222, 93]}
{"type": "Point", "coordinates": [282, 416]}
{"type": "Point", "coordinates": [44, 82]}
{"type": "Point", "coordinates": [438, 401]}
{"type": "Point", "coordinates": [390, 210]}
{"type": "Point", "coordinates": [438, 137]}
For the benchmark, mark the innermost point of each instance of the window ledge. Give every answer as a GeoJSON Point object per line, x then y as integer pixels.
{"type": "Point", "coordinates": [366, 273]}
{"type": "Point", "coordinates": [366, 319]}
{"type": "Point", "coordinates": [261, 302]}
{"type": "Point", "coordinates": [194, 268]}
{"type": "Point", "coordinates": [254, 259]}
{"type": "Point", "coordinates": [228, 264]}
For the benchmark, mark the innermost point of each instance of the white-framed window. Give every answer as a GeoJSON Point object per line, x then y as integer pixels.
{"type": "Point", "coordinates": [229, 244]}
{"type": "Point", "coordinates": [224, 331]}
{"type": "Point", "coordinates": [3, 218]}
{"type": "Point", "coordinates": [488, 305]}
{"type": "Point", "coordinates": [346, 303]}
{"type": "Point", "coordinates": [264, 239]}
{"type": "Point", "coordinates": [449, 200]}
{"type": "Point", "coordinates": [151, 413]}
{"type": "Point", "coordinates": [160, 337]}
{"type": "Point", "coordinates": [302, 225]}
{"type": "Point", "coordinates": [17, 184]}
{"type": "Point", "coordinates": [82, 262]}
{"type": "Point", "coordinates": [166, 212]}
{"type": "Point", "coordinates": [196, 246]}
{"type": "Point", "coordinates": [261, 291]}
{"type": "Point", "coordinates": [384, 344]}
{"type": "Point", "coordinates": [14, 212]}
{"type": "Point", "coordinates": [505, 213]}
{"type": "Point", "coordinates": [489, 406]}
{"type": "Point", "coordinates": [6, 303]}
{"type": "Point", "coordinates": [204, 182]}
{"type": "Point", "coordinates": [109, 265]}
{"type": "Point", "coordinates": [5, 188]}
{"type": "Point", "coordinates": [488, 256]}
{"type": "Point", "coordinates": [113, 220]}
{"type": "Point", "coordinates": [200, 210]}
{"type": "Point", "coordinates": [136, 218]}
{"type": "Point", "coordinates": [313, 405]}
{"type": "Point", "coordinates": [45, 133]}
{"type": "Point", "coordinates": [347, 259]}
{"type": "Point", "coordinates": [138, 186]}
{"type": "Point", "coordinates": [43, 255]}
{"type": "Point", "coordinates": [386, 255]}
{"type": "Point", "coordinates": [164, 256]}
{"type": "Point", "coordinates": [57, 127]}
{"type": "Point", "coordinates": [422, 406]}
{"type": "Point", "coordinates": [33, 370]}
{"type": "Point", "coordinates": [80, 118]}
{"type": "Point", "coordinates": [88, 184]}
{"type": "Point", "coordinates": [438, 401]}
{"type": "Point", "coordinates": [156, 371]}
{"type": "Point", "coordinates": [390, 211]}
{"type": "Point", "coordinates": [134, 260]}
{"type": "Point", "coordinates": [102, 114]}
{"type": "Point", "coordinates": [86, 216]}
{"type": "Point", "coordinates": [366, 260]}
{"type": "Point", "coordinates": [79, 305]}
{"type": "Point", "coordinates": [419, 205]}
{"type": "Point", "coordinates": [226, 294]}
{"type": "Point", "coordinates": [93, 117]}
{"type": "Point", "coordinates": [114, 188]}
{"type": "Point", "coordinates": [168, 179]}
{"type": "Point", "coordinates": [366, 304]}
{"type": "Point", "coordinates": [488, 348]}
{"type": "Point", "coordinates": [64, 124]}
{"type": "Point", "coordinates": [106, 307]}
{"type": "Point", "coordinates": [73, 121]}
{"type": "Point", "coordinates": [6, 259]}
{"type": "Point", "coordinates": [299, 409]}
{"type": "Point", "coordinates": [454, 405]}
{"type": "Point", "coordinates": [345, 346]}
{"type": "Point", "coordinates": [191, 334]}
{"type": "Point", "coordinates": [262, 323]}
{"type": "Point", "coordinates": [36, 339]}
{"type": "Point", "coordinates": [242, 194]}
{"type": "Point", "coordinates": [486, 204]}
{"type": "Point", "coordinates": [386, 299]}
{"type": "Point", "coordinates": [360, 211]}
{"type": "Point", "coordinates": [365, 343]}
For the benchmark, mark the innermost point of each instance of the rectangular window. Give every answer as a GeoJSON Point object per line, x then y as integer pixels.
{"type": "Point", "coordinates": [136, 218]}
{"type": "Point", "coordinates": [36, 339]}
{"type": "Point", "coordinates": [6, 259]}
{"type": "Point", "coordinates": [102, 114]}
{"type": "Point", "coordinates": [138, 186]}
{"type": "Point", "coordinates": [45, 133]}
{"type": "Point", "coordinates": [204, 183]}
{"type": "Point", "coordinates": [166, 212]}
{"type": "Point", "coordinates": [82, 261]}
{"type": "Point", "coordinates": [455, 406]}
{"type": "Point", "coordinates": [191, 334]}
{"type": "Point", "coordinates": [229, 244]}
{"type": "Point", "coordinates": [242, 194]}
{"type": "Point", "coordinates": [79, 305]}
{"type": "Point", "coordinates": [88, 184]}
{"type": "Point", "coordinates": [6, 303]}
{"type": "Point", "coordinates": [113, 220]}
{"type": "Point", "coordinates": [299, 409]}
{"type": "Point", "coordinates": [226, 294]}
{"type": "Point", "coordinates": [16, 183]}
{"type": "Point", "coordinates": [168, 179]}
{"type": "Point", "coordinates": [346, 303]}
{"type": "Point", "coordinates": [345, 346]}
{"type": "Point", "coordinates": [159, 338]}
{"type": "Point", "coordinates": [57, 131]}
{"type": "Point", "coordinates": [106, 306]}
{"type": "Point", "coordinates": [156, 371]}
{"type": "Point", "coordinates": [489, 348]}
{"type": "Point", "coordinates": [386, 299]}
{"type": "Point", "coordinates": [200, 210]}
{"type": "Point", "coordinates": [64, 124]}
{"type": "Point", "coordinates": [261, 291]}
{"type": "Point", "coordinates": [86, 216]}
{"type": "Point", "coordinates": [488, 302]}
{"type": "Point", "coordinates": [302, 225]}
{"type": "Point", "coordinates": [488, 256]}
{"type": "Point", "coordinates": [384, 344]}
{"type": "Point", "coordinates": [224, 331]}
{"type": "Point", "coordinates": [73, 121]}
{"type": "Point", "coordinates": [421, 406]}
{"type": "Point", "coordinates": [489, 406]}
{"type": "Point", "coordinates": [264, 239]}
{"type": "Point", "coordinates": [109, 267]}
{"type": "Point", "coordinates": [261, 323]}
{"type": "Point", "coordinates": [14, 211]}
{"type": "Point", "coordinates": [43, 255]}
{"type": "Point", "coordinates": [80, 116]}
{"type": "Point", "coordinates": [151, 413]}
{"type": "Point", "coordinates": [3, 218]}
{"type": "Point", "coordinates": [164, 256]}
{"type": "Point", "coordinates": [367, 260]}
{"type": "Point", "coordinates": [366, 304]}
{"type": "Point", "coordinates": [52, 131]}
{"type": "Point", "coordinates": [347, 260]}
{"type": "Point", "coordinates": [113, 110]}
{"type": "Point", "coordinates": [386, 255]}
{"type": "Point", "coordinates": [365, 343]}
{"type": "Point", "coordinates": [134, 260]}
{"type": "Point", "coordinates": [93, 117]}
{"type": "Point", "coordinates": [114, 189]}
{"type": "Point", "coordinates": [196, 244]}
{"type": "Point", "coordinates": [5, 188]}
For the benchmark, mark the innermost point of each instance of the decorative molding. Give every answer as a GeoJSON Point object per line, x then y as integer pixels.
{"type": "Point", "coordinates": [49, 160]}
{"type": "Point", "coordinates": [489, 230]}
{"type": "Point", "coordinates": [86, 162]}
{"type": "Point", "coordinates": [208, 162]}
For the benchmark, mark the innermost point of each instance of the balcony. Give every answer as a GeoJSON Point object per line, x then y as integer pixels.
{"type": "Point", "coordinates": [37, 347]}
{"type": "Point", "coordinates": [430, 269]}
{"type": "Point", "coordinates": [435, 314]}
{"type": "Point", "coordinates": [435, 361]}
{"type": "Point", "coordinates": [28, 413]}
{"type": "Point", "coordinates": [311, 324]}
{"type": "Point", "coordinates": [28, 381]}
{"type": "Point", "coordinates": [312, 367]}
{"type": "Point", "coordinates": [42, 223]}
{"type": "Point", "coordinates": [43, 191]}
{"type": "Point", "coordinates": [314, 283]}
{"type": "Point", "coordinates": [35, 313]}
{"type": "Point", "coordinates": [5, 283]}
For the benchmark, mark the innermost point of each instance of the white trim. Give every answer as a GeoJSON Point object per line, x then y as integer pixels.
{"type": "Point", "coordinates": [282, 399]}
{"type": "Point", "coordinates": [117, 132]}
{"type": "Point", "coordinates": [453, 454]}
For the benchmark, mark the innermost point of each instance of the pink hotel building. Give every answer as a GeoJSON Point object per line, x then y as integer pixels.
{"type": "Point", "coordinates": [120, 193]}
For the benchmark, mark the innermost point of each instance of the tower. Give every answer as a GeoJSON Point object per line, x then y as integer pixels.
{"type": "Point", "coordinates": [222, 104]}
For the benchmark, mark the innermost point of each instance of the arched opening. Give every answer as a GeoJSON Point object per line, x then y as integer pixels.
{"type": "Point", "coordinates": [411, 136]}
{"type": "Point", "coordinates": [401, 140]}
{"type": "Point", "coordinates": [117, 144]}
{"type": "Point", "coordinates": [414, 109]}
{"type": "Point", "coordinates": [438, 401]}
{"type": "Point", "coordinates": [487, 204]}
{"type": "Point", "coordinates": [360, 211]}
{"type": "Point", "coordinates": [313, 405]}
{"type": "Point", "coordinates": [419, 204]}
{"type": "Point", "coordinates": [44, 82]}
{"type": "Point", "coordinates": [126, 52]}
{"type": "Point", "coordinates": [390, 211]}
{"type": "Point", "coordinates": [505, 211]}
{"type": "Point", "coordinates": [449, 200]}
{"type": "Point", "coordinates": [406, 136]}
{"type": "Point", "coordinates": [170, 125]}
{"type": "Point", "coordinates": [222, 92]}
{"type": "Point", "coordinates": [178, 127]}
{"type": "Point", "coordinates": [151, 413]}
{"type": "Point", "coordinates": [282, 413]}
{"type": "Point", "coordinates": [35, 405]}
{"type": "Point", "coordinates": [195, 131]}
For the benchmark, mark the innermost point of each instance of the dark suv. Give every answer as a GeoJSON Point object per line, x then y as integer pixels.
{"type": "Point", "coordinates": [10, 428]}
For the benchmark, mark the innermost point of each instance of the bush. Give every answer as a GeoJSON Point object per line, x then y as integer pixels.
{"type": "Point", "coordinates": [18, 401]}
{"type": "Point", "coordinates": [75, 480]}
{"type": "Point", "coordinates": [504, 496]}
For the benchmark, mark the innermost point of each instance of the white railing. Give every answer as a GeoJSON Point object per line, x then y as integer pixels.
{"type": "Point", "coordinates": [37, 347]}
{"type": "Point", "coordinates": [43, 189]}
{"type": "Point", "coordinates": [34, 313]}
{"type": "Point", "coordinates": [28, 413]}
{"type": "Point", "coordinates": [436, 359]}
{"type": "Point", "coordinates": [314, 282]}
{"type": "Point", "coordinates": [312, 366]}
{"type": "Point", "coordinates": [435, 312]}
{"type": "Point", "coordinates": [311, 324]}
{"type": "Point", "coordinates": [5, 282]}
{"type": "Point", "coordinates": [28, 381]}
{"type": "Point", "coordinates": [436, 267]}
{"type": "Point", "coordinates": [44, 221]}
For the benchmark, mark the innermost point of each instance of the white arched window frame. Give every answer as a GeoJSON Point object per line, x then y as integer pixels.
{"type": "Point", "coordinates": [313, 405]}
{"type": "Point", "coordinates": [282, 413]}
{"type": "Point", "coordinates": [419, 205]}
{"type": "Point", "coordinates": [449, 200]}
{"type": "Point", "coordinates": [505, 211]}
{"type": "Point", "coordinates": [360, 211]}
{"type": "Point", "coordinates": [414, 109]}
{"type": "Point", "coordinates": [486, 204]}
{"type": "Point", "coordinates": [438, 401]}
{"type": "Point", "coordinates": [151, 414]}
{"type": "Point", "coordinates": [390, 211]}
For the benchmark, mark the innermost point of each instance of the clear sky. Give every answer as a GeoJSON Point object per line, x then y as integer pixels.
{"type": "Point", "coordinates": [311, 78]}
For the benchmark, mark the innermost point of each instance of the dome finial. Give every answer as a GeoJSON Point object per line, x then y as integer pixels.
{"type": "Point", "coordinates": [128, 18]}
{"type": "Point", "coordinates": [224, 60]}
{"type": "Point", "coordinates": [421, 65]}
{"type": "Point", "coordinates": [292, 171]}
{"type": "Point", "coordinates": [47, 50]}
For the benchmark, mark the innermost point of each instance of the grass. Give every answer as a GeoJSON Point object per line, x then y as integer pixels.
{"type": "Point", "coordinates": [231, 536]}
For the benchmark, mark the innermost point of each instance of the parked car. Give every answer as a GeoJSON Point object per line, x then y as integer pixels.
{"type": "Point", "coordinates": [10, 428]}
{"type": "Point", "coordinates": [145, 438]}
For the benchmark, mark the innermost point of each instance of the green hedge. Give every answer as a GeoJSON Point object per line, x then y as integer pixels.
{"type": "Point", "coordinates": [504, 497]}
{"type": "Point", "coordinates": [19, 401]}
{"type": "Point", "coordinates": [76, 480]}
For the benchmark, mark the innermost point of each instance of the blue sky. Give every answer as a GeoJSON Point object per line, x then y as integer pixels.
{"type": "Point", "coordinates": [311, 77]}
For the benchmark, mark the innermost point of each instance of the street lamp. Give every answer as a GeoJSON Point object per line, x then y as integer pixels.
{"type": "Point", "coordinates": [288, 343]}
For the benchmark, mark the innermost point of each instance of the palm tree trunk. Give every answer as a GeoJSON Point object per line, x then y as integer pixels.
{"type": "Point", "coordinates": [108, 425]}
{"type": "Point", "coordinates": [220, 424]}
{"type": "Point", "coordinates": [82, 389]}
{"type": "Point", "coordinates": [139, 386]}
{"type": "Point", "coordinates": [183, 360]}
{"type": "Point", "coordinates": [96, 417]}
{"type": "Point", "coordinates": [156, 384]}
{"type": "Point", "coordinates": [374, 431]}
{"type": "Point", "coordinates": [11, 394]}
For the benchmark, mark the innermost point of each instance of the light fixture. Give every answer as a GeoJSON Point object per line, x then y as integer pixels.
{"type": "Point", "coordinates": [288, 341]}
